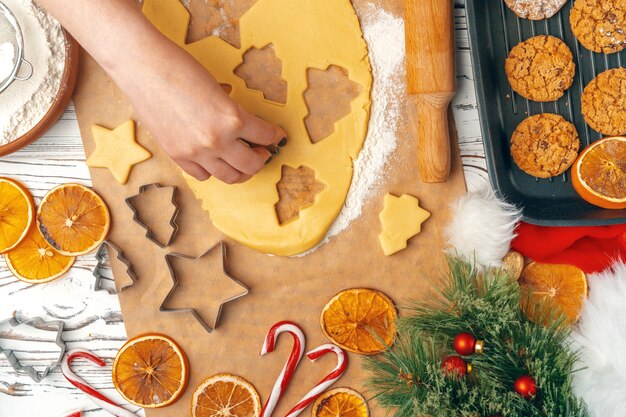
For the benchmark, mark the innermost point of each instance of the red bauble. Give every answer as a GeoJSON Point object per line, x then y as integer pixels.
{"type": "Point", "coordinates": [526, 386]}
{"type": "Point", "coordinates": [464, 344]}
{"type": "Point", "coordinates": [454, 366]}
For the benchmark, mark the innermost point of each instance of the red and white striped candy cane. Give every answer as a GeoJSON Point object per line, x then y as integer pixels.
{"type": "Point", "coordinates": [330, 379]}
{"type": "Point", "coordinates": [95, 396]}
{"type": "Point", "coordinates": [297, 352]}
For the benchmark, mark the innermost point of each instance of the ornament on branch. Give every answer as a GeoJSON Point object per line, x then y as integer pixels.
{"type": "Point", "coordinates": [455, 366]}
{"type": "Point", "coordinates": [526, 386]}
{"type": "Point", "coordinates": [466, 344]}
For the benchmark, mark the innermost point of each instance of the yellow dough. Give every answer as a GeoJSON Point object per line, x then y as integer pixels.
{"type": "Point", "coordinates": [117, 150]}
{"type": "Point", "coordinates": [305, 34]}
{"type": "Point", "coordinates": [401, 218]}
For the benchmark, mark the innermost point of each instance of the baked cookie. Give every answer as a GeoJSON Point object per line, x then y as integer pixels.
{"type": "Point", "coordinates": [540, 68]}
{"type": "Point", "coordinates": [535, 9]}
{"type": "Point", "coordinates": [545, 145]}
{"type": "Point", "coordinates": [604, 102]}
{"type": "Point", "coordinates": [600, 25]}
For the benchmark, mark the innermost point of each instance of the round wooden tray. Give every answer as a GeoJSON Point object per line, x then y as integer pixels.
{"type": "Point", "coordinates": [68, 83]}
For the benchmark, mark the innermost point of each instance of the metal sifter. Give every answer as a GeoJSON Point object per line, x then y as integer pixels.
{"type": "Point", "coordinates": [12, 46]}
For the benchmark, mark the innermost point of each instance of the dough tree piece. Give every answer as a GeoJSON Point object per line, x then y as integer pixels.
{"type": "Point", "coordinates": [401, 218]}
{"type": "Point", "coordinates": [117, 150]}
{"type": "Point", "coordinates": [305, 34]}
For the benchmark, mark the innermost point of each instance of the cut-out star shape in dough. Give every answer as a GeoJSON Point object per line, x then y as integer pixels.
{"type": "Point", "coordinates": [117, 150]}
{"type": "Point", "coordinates": [401, 218]}
{"type": "Point", "coordinates": [205, 275]}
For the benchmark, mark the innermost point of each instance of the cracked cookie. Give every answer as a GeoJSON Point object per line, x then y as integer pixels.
{"type": "Point", "coordinates": [540, 68]}
{"type": "Point", "coordinates": [535, 9]}
{"type": "Point", "coordinates": [545, 145]}
{"type": "Point", "coordinates": [600, 25]}
{"type": "Point", "coordinates": [604, 102]}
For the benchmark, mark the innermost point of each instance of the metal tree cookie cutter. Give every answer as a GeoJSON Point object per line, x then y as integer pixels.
{"type": "Point", "coordinates": [149, 232]}
{"type": "Point", "coordinates": [12, 45]}
{"type": "Point", "coordinates": [102, 257]}
{"type": "Point", "coordinates": [39, 323]}
{"type": "Point", "coordinates": [193, 311]}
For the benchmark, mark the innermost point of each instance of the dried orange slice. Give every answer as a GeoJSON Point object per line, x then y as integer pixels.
{"type": "Point", "coordinates": [225, 395]}
{"type": "Point", "coordinates": [546, 287]}
{"type": "Point", "coordinates": [36, 262]}
{"type": "Point", "coordinates": [17, 213]}
{"type": "Point", "coordinates": [340, 402]}
{"type": "Point", "coordinates": [73, 219]}
{"type": "Point", "coordinates": [360, 320]}
{"type": "Point", "coordinates": [599, 173]}
{"type": "Point", "coordinates": [150, 371]}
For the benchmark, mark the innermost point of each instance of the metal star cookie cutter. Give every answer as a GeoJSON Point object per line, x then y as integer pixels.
{"type": "Point", "coordinates": [196, 315]}
{"type": "Point", "coordinates": [102, 257]}
{"type": "Point", "coordinates": [172, 222]}
{"type": "Point", "coordinates": [38, 323]}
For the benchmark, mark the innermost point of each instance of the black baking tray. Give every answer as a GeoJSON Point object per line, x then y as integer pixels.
{"type": "Point", "coordinates": [494, 30]}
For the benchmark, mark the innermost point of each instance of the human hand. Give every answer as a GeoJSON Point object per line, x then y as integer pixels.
{"type": "Point", "coordinates": [196, 123]}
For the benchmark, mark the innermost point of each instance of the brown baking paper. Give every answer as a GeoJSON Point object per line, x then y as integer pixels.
{"type": "Point", "coordinates": [281, 288]}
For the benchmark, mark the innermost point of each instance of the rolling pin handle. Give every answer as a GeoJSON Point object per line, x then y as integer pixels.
{"type": "Point", "coordinates": [434, 139]}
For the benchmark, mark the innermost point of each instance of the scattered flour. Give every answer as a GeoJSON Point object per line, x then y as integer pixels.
{"type": "Point", "coordinates": [24, 103]}
{"type": "Point", "coordinates": [384, 34]}
{"type": "Point", "coordinates": [7, 60]}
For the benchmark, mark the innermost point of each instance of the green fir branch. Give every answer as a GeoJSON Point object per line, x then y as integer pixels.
{"type": "Point", "coordinates": [408, 378]}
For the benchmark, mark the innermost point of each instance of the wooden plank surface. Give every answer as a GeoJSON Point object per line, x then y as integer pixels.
{"type": "Point", "coordinates": [93, 319]}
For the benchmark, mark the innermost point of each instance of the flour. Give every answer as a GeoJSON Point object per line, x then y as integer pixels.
{"type": "Point", "coordinates": [384, 34]}
{"type": "Point", "coordinates": [7, 60]}
{"type": "Point", "coordinates": [24, 103]}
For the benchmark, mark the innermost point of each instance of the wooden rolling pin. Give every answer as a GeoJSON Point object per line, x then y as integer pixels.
{"type": "Point", "coordinates": [431, 76]}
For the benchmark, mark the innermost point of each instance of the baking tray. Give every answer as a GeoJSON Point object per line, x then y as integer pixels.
{"type": "Point", "coordinates": [494, 30]}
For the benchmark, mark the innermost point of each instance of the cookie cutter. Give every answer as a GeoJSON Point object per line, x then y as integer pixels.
{"type": "Point", "coordinates": [172, 222]}
{"type": "Point", "coordinates": [102, 256]}
{"type": "Point", "coordinates": [39, 323]}
{"type": "Point", "coordinates": [194, 312]}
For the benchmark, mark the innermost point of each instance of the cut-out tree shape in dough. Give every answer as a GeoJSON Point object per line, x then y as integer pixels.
{"type": "Point", "coordinates": [305, 34]}
{"type": "Point", "coordinates": [297, 189]}
{"type": "Point", "coordinates": [401, 218]}
{"type": "Point", "coordinates": [262, 70]}
{"type": "Point", "coordinates": [329, 86]}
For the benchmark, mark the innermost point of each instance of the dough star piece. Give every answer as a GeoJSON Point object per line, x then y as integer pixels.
{"type": "Point", "coordinates": [401, 218]}
{"type": "Point", "coordinates": [117, 150]}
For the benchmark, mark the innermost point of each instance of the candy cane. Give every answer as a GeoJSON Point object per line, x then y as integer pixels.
{"type": "Point", "coordinates": [75, 414]}
{"type": "Point", "coordinates": [297, 352]}
{"type": "Point", "coordinates": [324, 384]}
{"type": "Point", "coordinates": [102, 401]}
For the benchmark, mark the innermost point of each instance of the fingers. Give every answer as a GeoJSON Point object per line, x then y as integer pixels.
{"type": "Point", "coordinates": [193, 169]}
{"type": "Point", "coordinates": [222, 170]}
{"type": "Point", "coordinates": [244, 158]}
{"type": "Point", "coordinates": [260, 132]}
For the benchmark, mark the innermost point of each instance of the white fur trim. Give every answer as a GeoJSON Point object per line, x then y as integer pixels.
{"type": "Point", "coordinates": [600, 338]}
{"type": "Point", "coordinates": [482, 227]}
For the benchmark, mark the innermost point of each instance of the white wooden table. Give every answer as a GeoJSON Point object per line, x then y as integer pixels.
{"type": "Point", "coordinates": [93, 319]}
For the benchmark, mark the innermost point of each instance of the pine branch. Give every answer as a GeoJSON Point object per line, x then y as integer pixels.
{"type": "Point", "coordinates": [409, 379]}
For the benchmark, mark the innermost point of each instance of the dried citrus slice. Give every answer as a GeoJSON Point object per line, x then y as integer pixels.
{"type": "Point", "coordinates": [340, 402]}
{"type": "Point", "coordinates": [360, 320]}
{"type": "Point", "coordinates": [73, 219]}
{"type": "Point", "coordinates": [599, 173]}
{"type": "Point", "coordinates": [225, 395]}
{"type": "Point", "coordinates": [17, 213]}
{"type": "Point", "coordinates": [546, 287]}
{"type": "Point", "coordinates": [150, 371]}
{"type": "Point", "coordinates": [35, 261]}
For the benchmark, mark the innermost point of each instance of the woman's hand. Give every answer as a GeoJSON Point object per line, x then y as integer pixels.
{"type": "Point", "coordinates": [180, 103]}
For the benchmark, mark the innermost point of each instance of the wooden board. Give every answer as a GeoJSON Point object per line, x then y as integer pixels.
{"type": "Point", "coordinates": [282, 288]}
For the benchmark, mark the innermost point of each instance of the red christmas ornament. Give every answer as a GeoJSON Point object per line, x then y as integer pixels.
{"type": "Point", "coordinates": [466, 344]}
{"type": "Point", "coordinates": [455, 366]}
{"type": "Point", "coordinates": [526, 386]}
